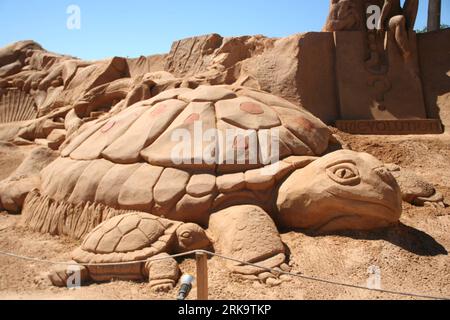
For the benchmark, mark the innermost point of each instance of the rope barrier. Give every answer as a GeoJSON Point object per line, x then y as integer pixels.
{"type": "Point", "coordinates": [180, 255]}
{"type": "Point", "coordinates": [212, 254]}
{"type": "Point", "coordinates": [329, 281]}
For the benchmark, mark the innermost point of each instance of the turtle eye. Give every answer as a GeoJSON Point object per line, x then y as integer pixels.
{"type": "Point", "coordinates": [345, 174]}
{"type": "Point", "coordinates": [186, 235]}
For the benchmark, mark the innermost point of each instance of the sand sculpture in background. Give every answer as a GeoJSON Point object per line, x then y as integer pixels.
{"type": "Point", "coordinates": [46, 96]}
{"type": "Point", "coordinates": [345, 15]}
{"type": "Point", "coordinates": [43, 88]}
{"type": "Point", "coordinates": [25, 178]}
{"type": "Point", "coordinates": [379, 59]}
{"type": "Point", "coordinates": [351, 15]}
{"type": "Point", "coordinates": [39, 86]}
{"type": "Point", "coordinates": [400, 20]}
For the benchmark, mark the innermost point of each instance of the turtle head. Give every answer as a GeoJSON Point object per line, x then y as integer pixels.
{"type": "Point", "coordinates": [344, 190]}
{"type": "Point", "coordinates": [191, 236]}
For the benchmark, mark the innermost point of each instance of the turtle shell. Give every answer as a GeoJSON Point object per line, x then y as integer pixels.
{"type": "Point", "coordinates": [130, 237]}
{"type": "Point", "coordinates": [126, 160]}
{"type": "Point", "coordinates": [234, 118]}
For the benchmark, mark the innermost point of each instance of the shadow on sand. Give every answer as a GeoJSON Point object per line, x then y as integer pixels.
{"type": "Point", "coordinates": [403, 236]}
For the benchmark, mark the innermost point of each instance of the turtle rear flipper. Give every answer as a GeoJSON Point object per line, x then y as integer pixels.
{"type": "Point", "coordinates": [415, 190]}
{"type": "Point", "coordinates": [69, 276]}
{"type": "Point", "coordinates": [436, 200]}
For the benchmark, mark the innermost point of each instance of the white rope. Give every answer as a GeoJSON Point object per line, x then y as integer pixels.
{"type": "Point", "coordinates": [212, 254]}
{"type": "Point", "coordinates": [97, 264]}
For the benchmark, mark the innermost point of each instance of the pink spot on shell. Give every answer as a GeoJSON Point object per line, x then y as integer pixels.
{"type": "Point", "coordinates": [108, 126]}
{"type": "Point", "coordinates": [305, 124]}
{"type": "Point", "coordinates": [251, 108]}
{"type": "Point", "coordinates": [192, 118]}
{"type": "Point", "coordinates": [159, 111]}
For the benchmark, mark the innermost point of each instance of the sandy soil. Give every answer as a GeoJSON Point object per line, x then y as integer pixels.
{"type": "Point", "coordinates": [413, 257]}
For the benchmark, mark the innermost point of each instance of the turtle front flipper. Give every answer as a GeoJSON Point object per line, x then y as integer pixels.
{"type": "Point", "coordinates": [162, 274]}
{"type": "Point", "coordinates": [247, 233]}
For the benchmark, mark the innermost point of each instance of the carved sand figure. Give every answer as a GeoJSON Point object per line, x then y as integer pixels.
{"type": "Point", "coordinates": [349, 15]}
{"type": "Point", "coordinates": [32, 88]}
{"type": "Point", "coordinates": [25, 178]}
{"type": "Point", "coordinates": [400, 20]}
{"type": "Point", "coordinates": [128, 89]}
{"type": "Point", "coordinates": [125, 162]}
{"type": "Point", "coordinates": [345, 15]}
{"type": "Point", "coordinates": [135, 237]}
{"type": "Point", "coordinates": [14, 57]}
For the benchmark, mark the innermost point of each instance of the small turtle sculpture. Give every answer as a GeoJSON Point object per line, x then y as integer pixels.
{"type": "Point", "coordinates": [133, 247]}
{"type": "Point", "coordinates": [170, 157]}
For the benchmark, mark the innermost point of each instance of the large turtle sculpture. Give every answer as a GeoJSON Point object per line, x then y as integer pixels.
{"type": "Point", "coordinates": [237, 161]}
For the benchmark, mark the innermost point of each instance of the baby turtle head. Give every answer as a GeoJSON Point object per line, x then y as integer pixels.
{"type": "Point", "coordinates": [344, 190]}
{"type": "Point", "coordinates": [191, 236]}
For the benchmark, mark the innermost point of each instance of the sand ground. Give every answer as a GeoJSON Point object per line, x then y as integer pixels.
{"type": "Point", "coordinates": [413, 257]}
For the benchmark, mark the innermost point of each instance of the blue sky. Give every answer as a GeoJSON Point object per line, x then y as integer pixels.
{"type": "Point", "coordinates": [143, 27]}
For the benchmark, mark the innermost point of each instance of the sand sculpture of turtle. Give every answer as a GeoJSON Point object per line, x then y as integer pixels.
{"type": "Point", "coordinates": [109, 251]}
{"type": "Point", "coordinates": [168, 156]}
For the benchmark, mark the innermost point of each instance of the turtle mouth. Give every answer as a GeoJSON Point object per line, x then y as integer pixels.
{"type": "Point", "coordinates": [329, 226]}
{"type": "Point", "coordinates": [381, 213]}
{"type": "Point", "coordinates": [392, 209]}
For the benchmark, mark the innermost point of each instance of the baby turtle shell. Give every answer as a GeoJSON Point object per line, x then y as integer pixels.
{"type": "Point", "coordinates": [130, 237]}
